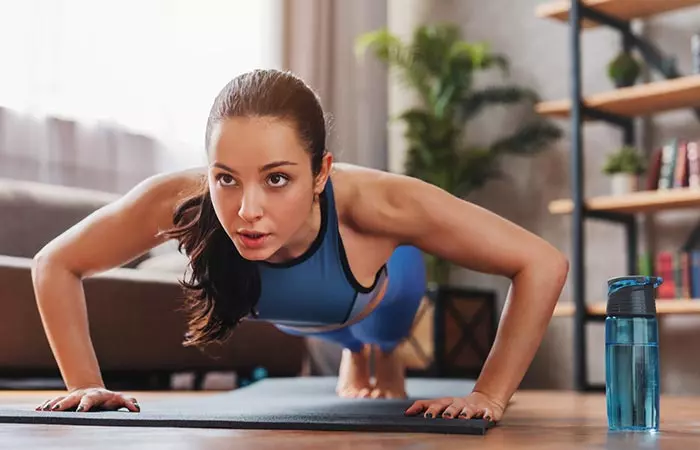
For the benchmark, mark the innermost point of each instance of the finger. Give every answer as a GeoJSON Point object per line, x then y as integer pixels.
{"type": "Point", "coordinates": [417, 407]}
{"type": "Point", "coordinates": [451, 411]}
{"type": "Point", "coordinates": [89, 402]}
{"type": "Point", "coordinates": [67, 403]}
{"type": "Point", "coordinates": [489, 415]}
{"type": "Point", "coordinates": [468, 412]}
{"type": "Point", "coordinates": [436, 408]}
{"type": "Point", "coordinates": [132, 404]}
{"type": "Point", "coordinates": [49, 406]}
{"type": "Point", "coordinates": [118, 401]}
{"type": "Point", "coordinates": [43, 405]}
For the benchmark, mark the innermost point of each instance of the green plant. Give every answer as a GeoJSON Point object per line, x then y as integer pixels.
{"type": "Point", "coordinates": [440, 68]}
{"type": "Point", "coordinates": [624, 69]}
{"type": "Point", "coordinates": [626, 160]}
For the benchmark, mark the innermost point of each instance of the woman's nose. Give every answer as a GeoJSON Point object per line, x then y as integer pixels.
{"type": "Point", "coordinates": [251, 206]}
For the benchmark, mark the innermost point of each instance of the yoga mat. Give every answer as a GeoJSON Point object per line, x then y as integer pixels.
{"type": "Point", "coordinates": [301, 403]}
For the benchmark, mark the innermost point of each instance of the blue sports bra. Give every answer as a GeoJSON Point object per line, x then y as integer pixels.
{"type": "Point", "coordinates": [316, 288]}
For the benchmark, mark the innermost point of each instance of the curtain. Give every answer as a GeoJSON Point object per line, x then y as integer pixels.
{"type": "Point", "coordinates": [68, 153]}
{"type": "Point", "coordinates": [102, 93]}
{"type": "Point", "coordinates": [319, 39]}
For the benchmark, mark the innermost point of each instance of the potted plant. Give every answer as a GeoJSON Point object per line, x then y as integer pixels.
{"type": "Point", "coordinates": [440, 68]}
{"type": "Point", "coordinates": [624, 167]}
{"type": "Point", "coordinates": [624, 70]}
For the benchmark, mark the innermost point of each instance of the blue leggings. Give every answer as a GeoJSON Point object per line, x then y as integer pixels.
{"type": "Point", "coordinates": [391, 320]}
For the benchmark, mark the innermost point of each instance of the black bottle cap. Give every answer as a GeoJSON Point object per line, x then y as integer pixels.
{"type": "Point", "coordinates": [632, 296]}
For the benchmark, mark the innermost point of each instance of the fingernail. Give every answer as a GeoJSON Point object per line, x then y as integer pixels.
{"type": "Point", "coordinates": [55, 406]}
{"type": "Point", "coordinates": [447, 416]}
{"type": "Point", "coordinates": [463, 414]}
{"type": "Point", "coordinates": [488, 418]}
{"type": "Point", "coordinates": [429, 415]}
{"type": "Point", "coordinates": [80, 408]}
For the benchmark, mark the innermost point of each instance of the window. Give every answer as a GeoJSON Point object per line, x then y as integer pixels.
{"type": "Point", "coordinates": [153, 66]}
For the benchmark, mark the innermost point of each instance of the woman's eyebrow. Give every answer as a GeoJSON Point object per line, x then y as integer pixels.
{"type": "Point", "coordinates": [264, 168]}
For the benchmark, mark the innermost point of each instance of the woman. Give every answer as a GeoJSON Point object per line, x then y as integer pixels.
{"type": "Point", "coordinates": [276, 231]}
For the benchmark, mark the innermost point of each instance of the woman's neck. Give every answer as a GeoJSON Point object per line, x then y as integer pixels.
{"type": "Point", "coordinates": [302, 240]}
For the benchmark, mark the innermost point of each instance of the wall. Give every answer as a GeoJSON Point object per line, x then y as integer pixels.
{"type": "Point", "coordinates": [539, 54]}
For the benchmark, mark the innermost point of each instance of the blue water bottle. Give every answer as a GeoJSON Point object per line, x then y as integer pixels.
{"type": "Point", "coordinates": [632, 354]}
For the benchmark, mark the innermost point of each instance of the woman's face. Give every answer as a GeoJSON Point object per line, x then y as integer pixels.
{"type": "Point", "coordinates": [261, 183]}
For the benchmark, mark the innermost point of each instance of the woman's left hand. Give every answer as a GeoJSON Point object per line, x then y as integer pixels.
{"type": "Point", "coordinates": [474, 405]}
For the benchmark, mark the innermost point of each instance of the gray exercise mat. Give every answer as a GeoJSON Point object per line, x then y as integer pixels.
{"type": "Point", "coordinates": [303, 403]}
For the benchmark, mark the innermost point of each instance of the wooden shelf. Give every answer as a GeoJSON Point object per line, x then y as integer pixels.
{"type": "Point", "coordinates": [637, 202]}
{"type": "Point", "coordinates": [620, 9]}
{"type": "Point", "coordinates": [663, 306]}
{"type": "Point", "coordinates": [634, 101]}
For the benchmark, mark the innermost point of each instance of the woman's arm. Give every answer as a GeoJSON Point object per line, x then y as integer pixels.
{"type": "Point", "coordinates": [410, 211]}
{"type": "Point", "coordinates": [107, 238]}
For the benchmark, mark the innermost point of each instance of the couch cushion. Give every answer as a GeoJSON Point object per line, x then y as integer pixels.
{"type": "Point", "coordinates": [35, 213]}
{"type": "Point", "coordinates": [172, 262]}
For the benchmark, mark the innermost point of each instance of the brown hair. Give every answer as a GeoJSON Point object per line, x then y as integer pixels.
{"type": "Point", "coordinates": [223, 287]}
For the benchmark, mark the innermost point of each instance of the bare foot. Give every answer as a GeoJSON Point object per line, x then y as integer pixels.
{"type": "Point", "coordinates": [390, 375]}
{"type": "Point", "coordinates": [354, 374]}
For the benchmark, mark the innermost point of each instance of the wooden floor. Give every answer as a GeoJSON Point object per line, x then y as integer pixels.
{"type": "Point", "coordinates": [535, 420]}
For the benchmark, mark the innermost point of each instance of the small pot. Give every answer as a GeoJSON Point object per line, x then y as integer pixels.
{"type": "Point", "coordinates": [624, 183]}
{"type": "Point", "coordinates": [624, 82]}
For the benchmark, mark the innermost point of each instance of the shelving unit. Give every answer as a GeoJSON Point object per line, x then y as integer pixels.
{"type": "Point", "coordinates": [617, 107]}
{"type": "Point", "coordinates": [619, 9]}
{"type": "Point", "coordinates": [663, 307]}
{"type": "Point", "coordinates": [634, 101]}
{"type": "Point", "coordinates": [637, 202]}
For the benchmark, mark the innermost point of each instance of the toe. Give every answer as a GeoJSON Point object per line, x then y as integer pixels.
{"type": "Point", "coordinates": [377, 393]}
{"type": "Point", "coordinates": [364, 393]}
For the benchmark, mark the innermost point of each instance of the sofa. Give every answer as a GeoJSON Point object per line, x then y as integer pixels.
{"type": "Point", "coordinates": [136, 321]}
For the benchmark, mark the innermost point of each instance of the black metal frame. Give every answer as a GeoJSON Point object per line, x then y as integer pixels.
{"type": "Point", "coordinates": [443, 297]}
{"type": "Point", "coordinates": [444, 301]}
{"type": "Point", "coordinates": [667, 67]}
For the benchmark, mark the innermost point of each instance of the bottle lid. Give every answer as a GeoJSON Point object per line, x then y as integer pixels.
{"type": "Point", "coordinates": [632, 296]}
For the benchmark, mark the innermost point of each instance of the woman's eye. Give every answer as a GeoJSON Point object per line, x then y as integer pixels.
{"type": "Point", "coordinates": [278, 180]}
{"type": "Point", "coordinates": [225, 179]}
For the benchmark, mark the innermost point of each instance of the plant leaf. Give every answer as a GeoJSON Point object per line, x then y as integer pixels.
{"type": "Point", "coordinates": [474, 168]}
{"type": "Point", "coordinates": [389, 49]}
{"type": "Point", "coordinates": [529, 139]}
{"type": "Point", "coordinates": [475, 102]}
{"type": "Point", "coordinates": [497, 60]}
{"type": "Point", "coordinates": [440, 68]}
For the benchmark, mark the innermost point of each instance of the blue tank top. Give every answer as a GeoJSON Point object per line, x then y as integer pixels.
{"type": "Point", "coordinates": [316, 288]}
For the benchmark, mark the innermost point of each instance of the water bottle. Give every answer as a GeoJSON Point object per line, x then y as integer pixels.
{"type": "Point", "coordinates": [632, 354]}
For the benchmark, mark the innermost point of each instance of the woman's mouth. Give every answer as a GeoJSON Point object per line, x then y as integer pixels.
{"type": "Point", "coordinates": [252, 239]}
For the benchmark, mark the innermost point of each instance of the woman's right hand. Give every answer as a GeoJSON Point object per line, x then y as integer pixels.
{"type": "Point", "coordinates": [95, 398]}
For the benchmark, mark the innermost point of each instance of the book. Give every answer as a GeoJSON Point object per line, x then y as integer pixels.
{"type": "Point", "coordinates": [693, 164]}
{"type": "Point", "coordinates": [668, 165]}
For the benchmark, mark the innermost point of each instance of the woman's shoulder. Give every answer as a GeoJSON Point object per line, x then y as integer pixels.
{"type": "Point", "coordinates": [348, 179]}
{"type": "Point", "coordinates": [165, 191]}
{"type": "Point", "coordinates": [355, 186]}
{"type": "Point", "coordinates": [177, 185]}
{"type": "Point", "coordinates": [378, 202]}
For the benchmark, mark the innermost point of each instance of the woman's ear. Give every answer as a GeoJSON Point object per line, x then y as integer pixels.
{"type": "Point", "coordinates": [324, 173]}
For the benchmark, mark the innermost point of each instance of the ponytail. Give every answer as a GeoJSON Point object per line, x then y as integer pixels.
{"type": "Point", "coordinates": [223, 287]}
